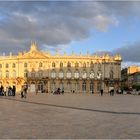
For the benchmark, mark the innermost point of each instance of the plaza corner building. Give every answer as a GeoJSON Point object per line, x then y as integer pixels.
{"type": "Point", "coordinates": [44, 72]}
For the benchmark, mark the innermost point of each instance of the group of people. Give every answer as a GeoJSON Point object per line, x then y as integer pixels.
{"type": "Point", "coordinates": [58, 91]}
{"type": "Point", "coordinates": [9, 91]}
{"type": "Point", "coordinates": [111, 92]}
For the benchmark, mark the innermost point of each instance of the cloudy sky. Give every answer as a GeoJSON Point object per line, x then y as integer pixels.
{"type": "Point", "coordinates": [72, 26]}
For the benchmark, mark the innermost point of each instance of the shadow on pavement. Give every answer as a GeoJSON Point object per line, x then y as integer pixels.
{"type": "Point", "coordinates": [75, 108]}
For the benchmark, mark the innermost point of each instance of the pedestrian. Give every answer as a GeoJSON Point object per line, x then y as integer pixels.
{"type": "Point", "coordinates": [14, 90]}
{"type": "Point", "coordinates": [22, 92]}
{"type": "Point", "coordinates": [63, 91]}
{"type": "Point", "coordinates": [101, 92]}
{"type": "Point", "coordinates": [25, 91]}
{"type": "Point", "coordinates": [7, 91]}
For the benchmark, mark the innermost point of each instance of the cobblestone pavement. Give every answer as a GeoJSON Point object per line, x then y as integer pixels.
{"type": "Point", "coordinates": [72, 116]}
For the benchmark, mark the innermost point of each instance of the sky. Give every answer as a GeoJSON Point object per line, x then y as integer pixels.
{"type": "Point", "coordinates": [66, 26]}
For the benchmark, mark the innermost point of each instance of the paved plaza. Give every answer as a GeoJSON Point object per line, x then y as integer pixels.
{"type": "Point", "coordinates": [73, 116]}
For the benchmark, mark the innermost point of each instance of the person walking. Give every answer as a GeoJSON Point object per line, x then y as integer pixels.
{"type": "Point", "coordinates": [14, 90]}
{"type": "Point", "coordinates": [101, 92]}
{"type": "Point", "coordinates": [25, 91]}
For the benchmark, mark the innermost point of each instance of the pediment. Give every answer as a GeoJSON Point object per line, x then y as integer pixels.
{"type": "Point", "coordinates": [34, 54]}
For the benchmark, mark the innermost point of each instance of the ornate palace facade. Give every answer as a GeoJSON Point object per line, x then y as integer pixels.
{"type": "Point", "coordinates": [44, 72]}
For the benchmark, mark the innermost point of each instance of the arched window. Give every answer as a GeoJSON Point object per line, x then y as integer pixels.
{"type": "Point", "coordinates": [40, 64]}
{"type": "Point", "coordinates": [68, 64]}
{"type": "Point", "coordinates": [7, 74]}
{"type": "Point", "coordinates": [0, 65]}
{"type": "Point", "coordinates": [7, 66]}
{"type": "Point", "coordinates": [25, 73]}
{"type": "Point", "coordinates": [14, 65]}
{"type": "Point", "coordinates": [14, 74]}
{"type": "Point", "coordinates": [68, 74]}
{"type": "Point", "coordinates": [76, 64]}
{"type": "Point", "coordinates": [91, 64]}
{"type": "Point", "coordinates": [84, 65]}
{"type": "Point", "coordinates": [61, 74]}
{"type": "Point", "coordinates": [111, 74]}
{"type": "Point", "coordinates": [53, 64]}
{"type": "Point", "coordinates": [53, 74]}
{"type": "Point", "coordinates": [25, 65]}
{"type": "Point", "coordinates": [76, 74]}
{"type": "Point", "coordinates": [61, 65]}
{"type": "Point", "coordinates": [84, 86]}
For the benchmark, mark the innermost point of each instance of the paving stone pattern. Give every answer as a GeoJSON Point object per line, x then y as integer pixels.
{"type": "Point", "coordinates": [74, 116]}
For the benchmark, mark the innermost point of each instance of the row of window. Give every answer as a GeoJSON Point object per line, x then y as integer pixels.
{"type": "Point", "coordinates": [14, 65]}
{"type": "Point", "coordinates": [53, 65]}
{"type": "Point", "coordinates": [61, 74]}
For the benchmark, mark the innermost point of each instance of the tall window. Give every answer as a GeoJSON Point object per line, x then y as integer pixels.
{"type": "Point", "coordinates": [14, 74]}
{"type": "Point", "coordinates": [84, 65]}
{"type": "Point", "coordinates": [40, 86]}
{"type": "Point", "coordinates": [68, 64]}
{"type": "Point", "coordinates": [61, 65]}
{"type": "Point", "coordinates": [0, 74]}
{"type": "Point", "coordinates": [76, 74]}
{"type": "Point", "coordinates": [91, 87]}
{"type": "Point", "coordinates": [53, 74]}
{"type": "Point", "coordinates": [7, 66]}
{"type": "Point", "coordinates": [53, 86]}
{"type": "Point", "coordinates": [76, 64]}
{"type": "Point", "coordinates": [91, 64]}
{"type": "Point", "coordinates": [99, 66]}
{"type": "Point", "coordinates": [69, 86]}
{"type": "Point", "coordinates": [99, 86]}
{"type": "Point", "coordinates": [68, 74]}
{"type": "Point", "coordinates": [111, 74]}
{"type": "Point", "coordinates": [25, 65]}
{"type": "Point", "coordinates": [33, 74]}
{"type": "Point", "coordinates": [26, 73]}
{"type": "Point", "coordinates": [84, 74]}
{"type": "Point", "coordinates": [14, 65]}
{"type": "Point", "coordinates": [7, 74]}
{"type": "Point", "coordinates": [53, 65]}
{"type": "Point", "coordinates": [84, 86]}
{"type": "Point", "coordinates": [0, 65]}
{"type": "Point", "coordinates": [99, 75]}
{"type": "Point", "coordinates": [61, 74]}
{"type": "Point", "coordinates": [77, 86]}
{"type": "Point", "coordinates": [40, 64]}
{"type": "Point", "coordinates": [40, 73]}
{"type": "Point", "coordinates": [61, 85]}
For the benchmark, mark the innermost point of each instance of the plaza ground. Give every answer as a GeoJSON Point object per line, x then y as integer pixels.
{"type": "Point", "coordinates": [73, 116]}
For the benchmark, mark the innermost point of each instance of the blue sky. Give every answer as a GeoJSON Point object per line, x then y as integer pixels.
{"type": "Point", "coordinates": [78, 26]}
{"type": "Point", "coordinates": [126, 32]}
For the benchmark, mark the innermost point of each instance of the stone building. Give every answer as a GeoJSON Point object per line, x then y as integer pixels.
{"type": "Point", "coordinates": [44, 72]}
